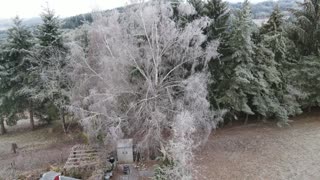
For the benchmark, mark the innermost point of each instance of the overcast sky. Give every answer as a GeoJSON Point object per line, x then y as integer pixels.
{"type": "Point", "coordinates": [63, 8]}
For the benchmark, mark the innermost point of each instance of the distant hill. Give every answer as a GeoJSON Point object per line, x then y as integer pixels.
{"type": "Point", "coordinates": [260, 10]}
{"type": "Point", "coordinates": [7, 23]}
{"type": "Point", "coordinates": [78, 20]}
{"type": "Point", "coordinates": [264, 9]}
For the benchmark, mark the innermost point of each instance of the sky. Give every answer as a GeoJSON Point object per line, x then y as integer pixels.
{"type": "Point", "coordinates": [63, 8]}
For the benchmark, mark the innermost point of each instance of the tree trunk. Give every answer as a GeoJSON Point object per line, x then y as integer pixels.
{"type": "Point", "coordinates": [14, 148]}
{"type": "Point", "coordinates": [2, 127]}
{"type": "Point", "coordinates": [31, 116]}
{"type": "Point", "coordinates": [63, 119]}
{"type": "Point", "coordinates": [246, 121]}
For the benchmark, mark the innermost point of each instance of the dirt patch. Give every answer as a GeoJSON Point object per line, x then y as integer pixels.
{"type": "Point", "coordinates": [263, 151]}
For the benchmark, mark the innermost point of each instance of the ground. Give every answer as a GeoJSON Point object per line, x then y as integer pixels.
{"type": "Point", "coordinates": [263, 151]}
{"type": "Point", "coordinates": [242, 152]}
{"type": "Point", "coordinates": [38, 150]}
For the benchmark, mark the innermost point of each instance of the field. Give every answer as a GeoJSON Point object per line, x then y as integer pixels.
{"type": "Point", "coordinates": [255, 151]}
{"type": "Point", "coordinates": [38, 150]}
{"type": "Point", "coordinates": [263, 151]}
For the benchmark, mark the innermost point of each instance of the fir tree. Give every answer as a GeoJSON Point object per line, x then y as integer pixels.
{"type": "Point", "coordinates": [232, 84]}
{"type": "Point", "coordinates": [275, 38]}
{"type": "Point", "coordinates": [265, 101]}
{"type": "Point", "coordinates": [306, 27]}
{"type": "Point", "coordinates": [306, 35]}
{"type": "Point", "coordinates": [218, 11]}
{"type": "Point", "coordinates": [305, 76]}
{"type": "Point", "coordinates": [51, 59]}
{"type": "Point", "coordinates": [49, 33]}
{"type": "Point", "coordinates": [15, 67]}
{"type": "Point", "coordinates": [198, 6]}
{"type": "Point", "coordinates": [247, 74]}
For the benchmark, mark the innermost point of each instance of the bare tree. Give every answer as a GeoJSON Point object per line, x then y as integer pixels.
{"type": "Point", "coordinates": [142, 76]}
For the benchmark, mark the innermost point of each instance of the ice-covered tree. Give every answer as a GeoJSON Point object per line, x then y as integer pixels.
{"type": "Point", "coordinates": [140, 78]}
{"type": "Point", "coordinates": [233, 75]}
{"type": "Point", "coordinates": [306, 35]}
{"type": "Point", "coordinates": [198, 6]}
{"type": "Point", "coordinates": [245, 77]}
{"type": "Point", "coordinates": [49, 33]}
{"type": "Point", "coordinates": [50, 56]}
{"type": "Point", "coordinates": [218, 11]}
{"type": "Point", "coordinates": [306, 27]}
{"type": "Point", "coordinates": [275, 37]}
{"type": "Point", "coordinates": [15, 68]}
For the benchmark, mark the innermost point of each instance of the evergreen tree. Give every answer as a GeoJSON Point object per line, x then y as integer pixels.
{"type": "Point", "coordinates": [306, 27]}
{"type": "Point", "coordinates": [218, 11]}
{"type": "Point", "coordinates": [49, 33]}
{"type": "Point", "coordinates": [266, 100]}
{"type": "Point", "coordinates": [198, 6]}
{"type": "Point", "coordinates": [275, 38]}
{"type": "Point", "coordinates": [274, 24]}
{"type": "Point", "coordinates": [16, 65]}
{"type": "Point", "coordinates": [51, 58]}
{"type": "Point", "coordinates": [305, 77]}
{"type": "Point", "coordinates": [246, 76]}
{"type": "Point", "coordinates": [306, 35]}
{"type": "Point", "coordinates": [232, 82]}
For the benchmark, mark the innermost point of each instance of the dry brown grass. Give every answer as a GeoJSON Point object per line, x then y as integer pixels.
{"type": "Point", "coordinates": [37, 151]}
{"type": "Point", "coordinates": [257, 151]}
{"type": "Point", "coordinates": [263, 152]}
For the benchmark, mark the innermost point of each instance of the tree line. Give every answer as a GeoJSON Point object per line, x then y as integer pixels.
{"type": "Point", "coordinates": [269, 71]}
{"type": "Point", "coordinates": [265, 72]}
{"type": "Point", "coordinates": [32, 80]}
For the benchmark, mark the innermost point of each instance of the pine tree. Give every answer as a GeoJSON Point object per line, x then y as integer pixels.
{"type": "Point", "coordinates": [306, 27]}
{"type": "Point", "coordinates": [198, 6]}
{"type": "Point", "coordinates": [51, 58]}
{"type": "Point", "coordinates": [275, 38]}
{"type": "Point", "coordinates": [49, 33]}
{"type": "Point", "coordinates": [232, 84]}
{"type": "Point", "coordinates": [305, 76]}
{"type": "Point", "coordinates": [15, 68]}
{"type": "Point", "coordinates": [266, 101]}
{"type": "Point", "coordinates": [218, 11]}
{"type": "Point", "coordinates": [246, 75]}
{"type": "Point", "coordinates": [306, 35]}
